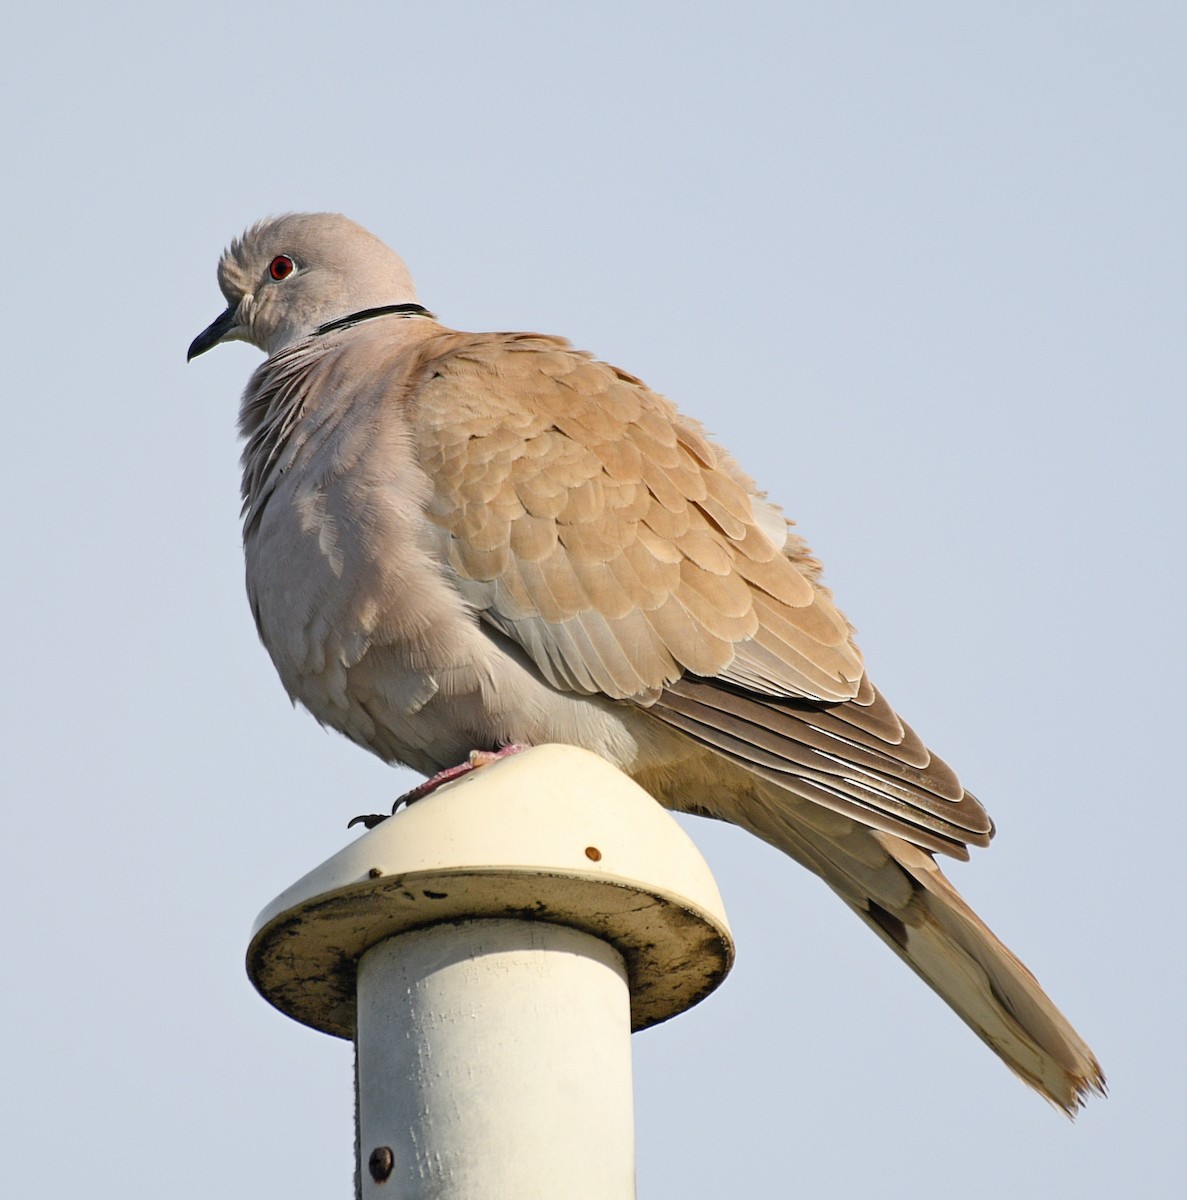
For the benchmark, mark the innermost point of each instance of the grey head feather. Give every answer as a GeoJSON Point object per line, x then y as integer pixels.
{"type": "Point", "coordinates": [337, 268]}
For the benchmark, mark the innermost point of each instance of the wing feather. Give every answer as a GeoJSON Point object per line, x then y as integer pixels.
{"type": "Point", "coordinates": [603, 502]}
{"type": "Point", "coordinates": [587, 520]}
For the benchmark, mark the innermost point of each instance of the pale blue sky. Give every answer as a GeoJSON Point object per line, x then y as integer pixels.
{"type": "Point", "coordinates": [920, 266]}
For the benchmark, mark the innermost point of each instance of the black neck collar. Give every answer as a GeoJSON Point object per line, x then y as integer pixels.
{"type": "Point", "coordinates": [385, 310]}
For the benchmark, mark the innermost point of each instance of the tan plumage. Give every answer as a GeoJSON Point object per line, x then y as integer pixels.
{"type": "Point", "coordinates": [459, 541]}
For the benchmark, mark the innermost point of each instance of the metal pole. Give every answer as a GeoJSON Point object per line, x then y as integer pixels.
{"type": "Point", "coordinates": [489, 950]}
{"type": "Point", "coordinates": [494, 1061]}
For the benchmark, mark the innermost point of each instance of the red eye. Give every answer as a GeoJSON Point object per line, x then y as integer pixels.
{"type": "Point", "coordinates": [281, 267]}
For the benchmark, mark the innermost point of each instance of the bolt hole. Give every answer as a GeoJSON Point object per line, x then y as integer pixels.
{"type": "Point", "coordinates": [380, 1163]}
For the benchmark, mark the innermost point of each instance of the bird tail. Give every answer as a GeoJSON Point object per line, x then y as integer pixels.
{"type": "Point", "coordinates": [900, 892]}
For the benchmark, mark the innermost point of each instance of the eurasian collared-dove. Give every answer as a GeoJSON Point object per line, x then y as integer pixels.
{"type": "Point", "coordinates": [460, 541]}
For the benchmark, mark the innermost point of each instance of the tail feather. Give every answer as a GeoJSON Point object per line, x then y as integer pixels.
{"type": "Point", "coordinates": [954, 951]}
{"type": "Point", "coordinates": [898, 890]}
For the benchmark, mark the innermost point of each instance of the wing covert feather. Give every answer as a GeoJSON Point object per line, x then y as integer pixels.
{"type": "Point", "coordinates": [586, 518]}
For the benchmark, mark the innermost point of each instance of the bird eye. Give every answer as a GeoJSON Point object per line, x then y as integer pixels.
{"type": "Point", "coordinates": [281, 267]}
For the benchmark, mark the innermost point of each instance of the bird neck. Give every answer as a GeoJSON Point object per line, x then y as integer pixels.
{"type": "Point", "coordinates": [366, 314]}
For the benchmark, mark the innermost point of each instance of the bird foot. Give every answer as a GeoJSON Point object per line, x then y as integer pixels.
{"type": "Point", "coordinates": [476, 759]}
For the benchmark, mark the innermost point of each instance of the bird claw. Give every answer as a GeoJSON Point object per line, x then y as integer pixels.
{"type": "Point", "coordinates": [476, 759]}
{"type": "Point", "coordinates": [369, 820]}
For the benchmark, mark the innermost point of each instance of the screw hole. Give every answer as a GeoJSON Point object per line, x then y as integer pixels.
{"type": "Point", "coordinates": [380, 1163]}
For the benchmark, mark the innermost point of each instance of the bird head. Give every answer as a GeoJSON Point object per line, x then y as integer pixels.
{"type": "Point", "coordinates": [287, 276]}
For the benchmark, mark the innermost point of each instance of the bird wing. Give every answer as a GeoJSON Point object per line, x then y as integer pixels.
{"type": "Point", "coordinates": [587, 519]}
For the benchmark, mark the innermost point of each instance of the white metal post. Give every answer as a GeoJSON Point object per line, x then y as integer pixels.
{"type": "Point", "coordinates": [490, 949]}
{"type": "Point", "coordinates": [494, 1061]}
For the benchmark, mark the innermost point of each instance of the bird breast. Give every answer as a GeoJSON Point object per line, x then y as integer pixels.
{"type": "Point", "coordinates": [336, 570]}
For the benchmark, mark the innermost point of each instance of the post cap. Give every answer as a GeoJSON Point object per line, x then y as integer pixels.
{"type": "Point", "coordinates": [551, 834]}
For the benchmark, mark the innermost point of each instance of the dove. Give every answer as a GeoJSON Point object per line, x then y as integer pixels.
{"type": "Point", "coordinates": [468, 542]}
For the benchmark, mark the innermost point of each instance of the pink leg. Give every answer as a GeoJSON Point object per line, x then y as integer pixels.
{"type": "Point", "coordinates": [477, 758]}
